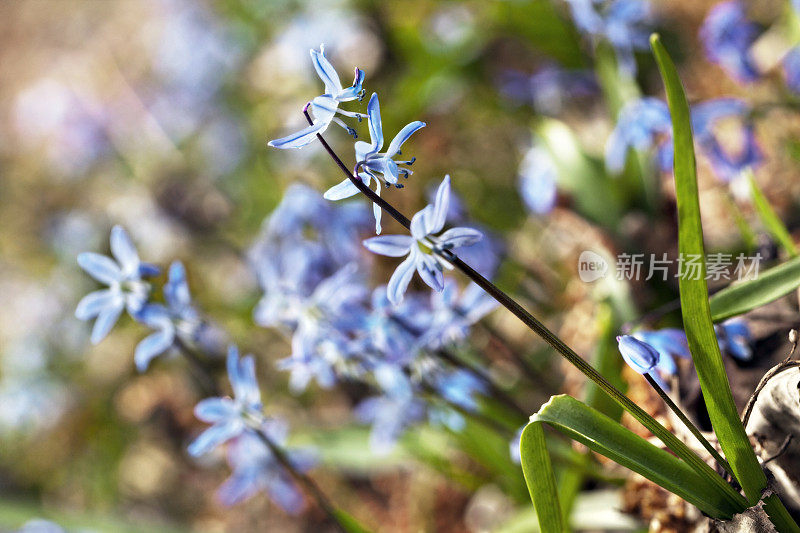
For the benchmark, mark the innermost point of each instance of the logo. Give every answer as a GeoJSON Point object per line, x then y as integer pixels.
{"type": "Point", "coordinates": [591, 266]}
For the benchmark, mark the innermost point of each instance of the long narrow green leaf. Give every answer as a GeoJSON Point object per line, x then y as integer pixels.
{"type": "Point", "coordinates": [694, 293]}
{"type": "Point", "coordinates": [745, 296]}
{"type": "Point", "coordinates": [611, 439]}
{"type": "Point", "coordinates": [771, 220]}
{"type": "Point", "coordinates": [540, 478]}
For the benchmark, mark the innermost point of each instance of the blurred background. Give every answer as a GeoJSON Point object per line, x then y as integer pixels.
{"type": "Point", "coordinates": [155, 114]}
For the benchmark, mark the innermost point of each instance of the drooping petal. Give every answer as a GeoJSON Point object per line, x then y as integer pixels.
{"type": "Point", "coordinates": [326, 72]}
{"type": "Point", "coordinates": [377, 211]}
{"type": "Point", "coordinates": [105, 321]}
{"type": "Point", "coordinates": [374, 120]}
{"type": "Point", "coordinates": [124, 251]}
{"type": "Point", "coordinates": [300, 138]}
{"type": "Point", "coordinates": [456, 237]}
{"type": "Point", "coordinates": [286, 494]}
{"type": "Point", "coordinates": [430, 272]}
{"type": "Point", "coordinates": [213, 410]}
{"type": "Point", "coordinates": [389, 245]}
{"type": "Point", "coordinates": [93, 303]}
{"type": "Point", "coordinates": [345, 189]}
{"type": "Point", "coordinates": [242, 484]}
{"type": "Point", "coordinates": [152, 346]}
{"type": "Point", "coordinates": [402, 136]}
{"type": "Point", "coordinates": [176, 290]}
{"type": "Point", "coordinates": [100, 267]}
{"type": "Point", "coordinates": [247, 390]}
{"type": "Point", "coordinates": [352, 92]}
{"type": "Point", "coordinates": [440, 206]}
{"type": "Point", "coordinates": [399, 281]}
{"type": "Point", "coordinates": [214, 436]}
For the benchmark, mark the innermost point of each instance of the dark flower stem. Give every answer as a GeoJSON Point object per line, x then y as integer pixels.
{"type": "Point", "coordinates": [689, 425]}
{"type": "Point", "coordinates": [670, 440]}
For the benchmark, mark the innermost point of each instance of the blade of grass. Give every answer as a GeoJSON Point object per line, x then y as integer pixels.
{"type": "Point", "coordinates": [740, 298]}
{"type": "Point", "coordinates": [611, 439]}
{"type": "Point", "coordinates": [540, 478]}
{"type": "Point", "coordinates": [770, 218]}
{"type": "Point", "coordinates": [694, 292]}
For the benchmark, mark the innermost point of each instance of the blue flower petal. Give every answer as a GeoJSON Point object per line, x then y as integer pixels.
{"type": "Point", "coordinates": [326, 72]}
{"type": "Point", "coordinates": [639, 355]}
{"type": "Point", "coordinates": [213, 410]}
{"type": "Point", "coordinates": [345, 189]}
{"type": "Point", "coordinates": [457, 237]}
{"type": "Point", "coordinates": [214, 436]}
{"type": "Point", "coordinates": [152, 346]}
{"type": "Point", "coordinates": [390, 245]}
{"type": "Point", "coordinates": [124, 251]}
{"type": "Point", "coordinates": [105, 321]}
{"type": "Point", "coordinates": [374, 120]}
{"type": "Point", "coordinates": [93, 303]}
{"type": "Point", "coordinates": [399, 281]}
{"type": "Point", "coordinates": [100, 267]}
{"type": "Point", "coordinates": [300, 138]}
{"type": "Point", "coordinates": [402, 136]}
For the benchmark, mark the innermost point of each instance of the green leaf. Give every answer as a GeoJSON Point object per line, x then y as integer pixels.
{"type": "Point", "coordinates": [540, 478]}
{"type": "Point", "coordinates": [770, 218]}
{"type": "Point", "coordinates": [745, 296]}
{"type": "Point", "coordinates": [611, 439]}
{"type": "Point", "coordinates": [349, 523]}
{"type": "Point", "coordinates": [694, 292]}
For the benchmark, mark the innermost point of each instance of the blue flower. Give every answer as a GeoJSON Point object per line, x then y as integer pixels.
{"type": "Point", "coordinates": [39, 525]}
{"type": "Point", "coordinates": [230, 417]}
{"type": "Point", "coordinates": [639, 355]}
{"type": "Point", "coordinates": [177, 317]}
{"type": "Point", "coordinates": [373, 162]}
{"type": "Point", "coordinates": [728, 36]}
{"type": "Point", "coordinates": [625, 24]}
{"type": "Point", "coordinates": [641, 124]}
{"type": "Point", "coordinates": [394, 330]}
{"type": "Point", "coordinates": [256, 469]}
{"type": "Point", "coordinates": [706, 120]}
{"type": "Point", "coordinates": [390, 416]}
{"type": "Point", "coordinates": [425, 251]}
{"type": "Point", "coordinates": [669, 343]}
{"type": "Point", "coordinates": [734, 338]}
{"type": "Point", "coordinates": [550, 88]}
{"type": "Point", "coordinates": [537, 180]}
{"type": "Point", "coordinates": [326, 106]}
{"type": "Point", "coordinates": [791, 67]}
{"type": "Point", "coordinates": [124, 279]}
{"type": "Point", "coordinates": [452, 314]}
{"type": "Point", "coordinates": [459, 387]}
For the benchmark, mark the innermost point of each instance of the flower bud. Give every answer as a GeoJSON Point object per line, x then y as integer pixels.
{"type": "Point", "coordinates": [639, 355]}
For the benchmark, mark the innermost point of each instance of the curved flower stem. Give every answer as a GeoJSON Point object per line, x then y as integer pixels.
{"type": "Point", "coordinates": [208, 382]}
{"type": "Point", "coordinates": [671, 441]}
{"type": "Point", "coordinates": [691, 427]}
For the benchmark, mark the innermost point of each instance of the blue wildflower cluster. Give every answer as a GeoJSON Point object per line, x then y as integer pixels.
{"type": "Point", "coordinates": [178, 325]}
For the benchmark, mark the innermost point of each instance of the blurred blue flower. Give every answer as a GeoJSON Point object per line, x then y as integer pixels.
{"type": "Point", "coordinates": [40, 525]}
{"type": "Point", "coordinates": [124, 279]}
{"type": "Point", "coordinates": [459, 387]}
{"type": "Point", "coordinates": [537, 180]}
{"type": "Point", "coordinates": [373, 162]}
{"type": "Point", "coordinates": [639, 355]}
{"type": "Point", "coordinates": [255, 469]}
{"type": "Point", "coordinates": [390, 416]}
{"type": "Point", "coordinates": [325, 106]}
{"type": "Point", "coordinates": [641, 124]}
{"type": "Point", "coordinates": [452, 314]}
{"type": "Point", "coordinates": [230, 417]}
{"type": "Point", "coordinates": [424, 250]}
{"type": "Point", "coordinates": [179, 316]}
{"type": "Point", "coordinates": [706, 120]}
{"type": "Point", "coordinates": [791, 67]}
{"type": "Point", "coordinates": [394, 330]}
{"type": "Point", "coordinates": [735, 338]}
{"type": "Point", "coordinates": [727, 35]}
{"type": "Point", "coordinates": [625, 24]}
{"type": "Point", "coordinates": [550, 88]}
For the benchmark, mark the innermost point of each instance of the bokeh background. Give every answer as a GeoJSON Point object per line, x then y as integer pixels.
{"type": "Point", "coordinates": [154, 114]}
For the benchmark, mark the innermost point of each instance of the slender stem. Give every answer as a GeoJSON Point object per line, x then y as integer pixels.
{"type": "Point", "coordinates": [691, 427]}
{"type": "Point", "coordinates": [304, 480]}
{"type": "Point", "coordinates": [670, 440]}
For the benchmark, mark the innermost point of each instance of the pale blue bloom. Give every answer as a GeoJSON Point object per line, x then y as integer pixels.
{"type": "Point", "coordinates": [550, 88]}
{"type": "Point", "coordinates": [230, 417]}
{"type": "Point", "coordinates": [537, 180]}
{"type": "Point", "coordinates": [375, 164]}
{"type": "Point", "coordinates": [390, 416]}
{"type": "Point", "coordinates": [728, 35]}
{"type": "Point", "coordinates": [453, 314]}
{"type": "Point", "coordinates": [791, 68]}
{"type": "Point", "coordinates": [459, 387]}
{"type": "Point", "coordinates": [625, 24]}
{"type": "Point", "coordinates": [669, 343]}
{"type": "Point", "coordinates": [639, 355]}
{"type": "Point", "coordinates": [255, 469]}
{"type": "Point", "coordinates": [177, 317]}
{"type": "Point", "coordinates": [426, 253]}
{"type": "Point", "coordinates": [124, 279]}
{"type": "Point", "coordinates": [326, 106]}
{"type": "Point", "coordinates": [735, 338]}
{"type": "Point", "coordinates": [641, 124]}
{"type": "Point", "coordinates": [394, 330]}
{"type": "Point", "coordinates": [727, 163]}
{"type": "Point", "coordinates": [39, 525]}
